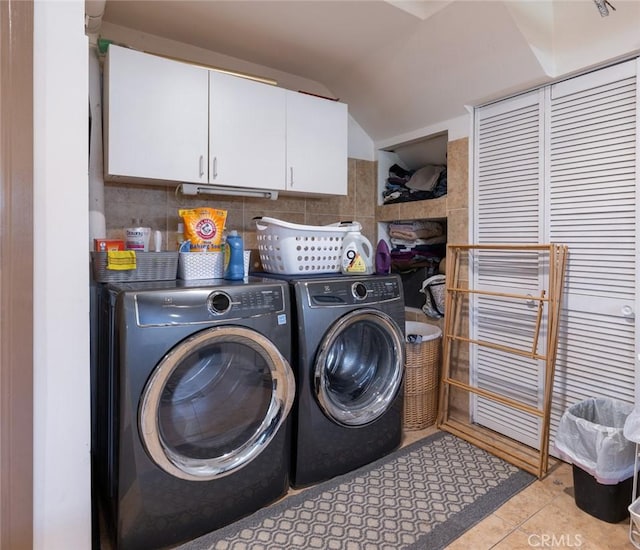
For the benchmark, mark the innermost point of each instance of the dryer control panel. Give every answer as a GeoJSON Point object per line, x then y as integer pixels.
{"type": "Point", "coordinates": [352, 291]}
{"type": "Point", "coordinates": [202, 305]}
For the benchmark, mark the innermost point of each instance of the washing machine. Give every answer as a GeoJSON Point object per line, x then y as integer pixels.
{"type": "Point", "coordinates": [349, 366]}
{"type": "Point", "coordinates": [193, 390]}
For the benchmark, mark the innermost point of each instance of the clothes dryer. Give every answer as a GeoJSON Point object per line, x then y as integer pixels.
{"type": "Point", "coordinates": [192, 392]}
{"type": "Point", "coordinates": [349, 365]}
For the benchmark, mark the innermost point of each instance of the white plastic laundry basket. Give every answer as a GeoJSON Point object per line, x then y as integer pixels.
{"type": "Point", "coordinates": [293, 249]}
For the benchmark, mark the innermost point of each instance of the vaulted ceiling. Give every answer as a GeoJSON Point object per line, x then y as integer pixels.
{"type": "Point", "coordinates": [400, 65]}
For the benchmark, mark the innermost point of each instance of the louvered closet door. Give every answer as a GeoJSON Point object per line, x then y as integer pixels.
{"type": "Point", "coordinates": [577, 187]}
{"type": "Point", "coordinates": [593, 208]}
{"type": "Point", "coordinates": [508, 209]}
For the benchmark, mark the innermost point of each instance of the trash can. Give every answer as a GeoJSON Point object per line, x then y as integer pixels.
{"type": "Point", "coordinates": [590, 437]}
{"type": "Point", "coordinates": [422, 375]}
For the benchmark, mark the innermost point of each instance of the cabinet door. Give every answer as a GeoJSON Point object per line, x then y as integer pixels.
{"type": "Point", "coordinates": [156, 117]}
{"type": "Point", "coordinates": [593, 188]}
{"type": "Point", "coordinates": [247, 133]}
{"type": "Point", "coordinates": [316, 145]}
{"type": "Point", "coordinates": [508, 204]}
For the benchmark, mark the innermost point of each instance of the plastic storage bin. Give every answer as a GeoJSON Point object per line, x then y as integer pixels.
{"type": "Point", "coordinates": [206, 265]}
{"type": "Point", "coordinates": [590, 436]}
{"type": "Point", "coordinates": [422, 375]}
{"type": "Point", "coordinates": [150, 266]}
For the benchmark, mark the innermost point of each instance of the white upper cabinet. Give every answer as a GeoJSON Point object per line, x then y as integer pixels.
{"type": "Point", "coordinates": [170, 121]}
{"type": "Point", "coordinates": [316, 145]}
{"type": "Point", "coordinates": [156, 123]}
{"type": "Point", "coordinates": [247, 133]}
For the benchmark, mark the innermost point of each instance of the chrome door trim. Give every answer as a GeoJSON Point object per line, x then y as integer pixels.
{"type": "Point", "coordinates": [282, 396]}
{"type": "Point", "coordinates": [347, 416]}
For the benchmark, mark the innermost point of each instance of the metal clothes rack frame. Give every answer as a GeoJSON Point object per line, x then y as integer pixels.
{"type": "Point", "coordinates": [535, 461]}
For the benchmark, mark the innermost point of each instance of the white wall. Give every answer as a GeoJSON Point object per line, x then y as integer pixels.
{"type": "Point", "coordinates": [455, 128]}
{"type": "Point", "coordinates": [360, 144]}
{"type": "Point", "coordinates": [62, 499]}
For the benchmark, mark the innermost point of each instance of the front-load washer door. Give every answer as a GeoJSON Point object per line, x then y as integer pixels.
{"type": "Point", "coordinates": [359, 367]}
{"type": "Point", "coordinates": [214, 402]}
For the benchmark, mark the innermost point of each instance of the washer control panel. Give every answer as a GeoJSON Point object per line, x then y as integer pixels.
{"type": "Point", "coordinates": [350, 291]}
{"type": "Point", "coordinates": [203, 305]}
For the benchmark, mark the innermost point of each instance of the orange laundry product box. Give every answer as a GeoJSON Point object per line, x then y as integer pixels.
{"type": "Point", "coordinates": [203, 228]}
{"type": "Point", "coordinates": [105, 245]}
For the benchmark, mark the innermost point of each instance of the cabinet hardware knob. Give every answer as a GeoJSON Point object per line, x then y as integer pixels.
{"type": "Point", "coordinates": [627, 311]}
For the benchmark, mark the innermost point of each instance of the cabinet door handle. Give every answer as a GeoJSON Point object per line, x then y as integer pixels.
{"type": "Point", "coordinates": [201, 165]}
{"type": "Point", "coordinates": [215, 167]}
{"type": "Point", "coordinates": [291, 176]}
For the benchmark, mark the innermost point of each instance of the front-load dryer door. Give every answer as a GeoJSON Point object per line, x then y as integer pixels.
{"type": "Point", "coordinates": [359, 367]}
{"type": "Point", "coordinates": [214, 402]}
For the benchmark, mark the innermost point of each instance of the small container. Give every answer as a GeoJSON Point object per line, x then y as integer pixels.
{"type": "Point", "coordinates": [157, 241]}
{"type": "Point", "coordinates": [200, 265]}
{"type": "Point", "coordinates": [137, 237]}
{"type": "Point", "coordinates": [105, 245]}
{"type": "Point", "coordinates": [234, 270]}
{"type": "Point", "coordinates": [180, 235]}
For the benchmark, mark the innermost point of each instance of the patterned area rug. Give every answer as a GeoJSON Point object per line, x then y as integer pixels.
{"type": "Point", "coordinates": [422, 496]}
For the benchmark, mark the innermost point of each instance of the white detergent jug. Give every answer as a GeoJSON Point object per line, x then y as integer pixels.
{"type": "Point", "coordinates": [357, 254]}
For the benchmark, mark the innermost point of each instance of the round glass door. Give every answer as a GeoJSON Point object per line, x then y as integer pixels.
{"type": "Point", "coordinates": [214, 402]}
{"type": "Point", "coordinates": [359, 368]}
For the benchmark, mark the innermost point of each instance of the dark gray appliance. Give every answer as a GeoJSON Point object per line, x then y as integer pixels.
{"type": "Point", "coordinates": [349, 365]}
{"type": "Point", "coordinates": [192, 394]}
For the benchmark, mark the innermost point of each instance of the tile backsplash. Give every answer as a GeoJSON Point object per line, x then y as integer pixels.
{"type": "Point", "coordinates": [157, 206]}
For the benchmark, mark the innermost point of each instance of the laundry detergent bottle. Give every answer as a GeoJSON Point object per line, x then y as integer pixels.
{"type": "Point", "coordinates": [234, 270]}
{"type": "Point", "coordinates": [357, 254]}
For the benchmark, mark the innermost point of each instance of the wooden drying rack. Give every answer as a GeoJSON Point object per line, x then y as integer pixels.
{"type": "Point", "coordinates": [529, 459]}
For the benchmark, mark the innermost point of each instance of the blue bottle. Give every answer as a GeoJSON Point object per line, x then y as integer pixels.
{"type": "Point", "coordinates": [234, 270]}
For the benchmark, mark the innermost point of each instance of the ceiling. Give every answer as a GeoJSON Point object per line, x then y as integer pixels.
{"type": "Point", "coordinates": [402, 65]}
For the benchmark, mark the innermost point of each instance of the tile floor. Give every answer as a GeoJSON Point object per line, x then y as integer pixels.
{"type": "Point", "coordinates": [544, 515]}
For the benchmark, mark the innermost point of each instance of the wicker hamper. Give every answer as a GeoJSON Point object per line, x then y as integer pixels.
{"type": "Point", "coordinates": [422, 369]}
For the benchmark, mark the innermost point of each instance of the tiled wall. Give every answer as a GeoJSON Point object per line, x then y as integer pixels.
{"type": "Point", "coordinates": [157, 207]}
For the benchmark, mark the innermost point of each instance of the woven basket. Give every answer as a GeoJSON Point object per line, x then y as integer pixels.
{"type": "Point", "coordinates": [150, 266]}
{"type": "Point", "coordinates": [421, 382]}
{"type": "Point", "coordinates": [206, 265]}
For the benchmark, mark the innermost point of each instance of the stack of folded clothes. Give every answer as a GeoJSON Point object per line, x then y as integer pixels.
{"type": "Point", "coordinates": [418, 243]}
{"type": "Point", "coordinates": [428, 182]}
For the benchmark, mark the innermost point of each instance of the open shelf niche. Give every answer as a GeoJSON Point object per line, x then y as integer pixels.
{"type": "Point", "coordinates": [411, 156]}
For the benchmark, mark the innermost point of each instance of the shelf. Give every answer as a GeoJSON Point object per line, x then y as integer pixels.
{"type": "Point", "coordinates": [415, 210]}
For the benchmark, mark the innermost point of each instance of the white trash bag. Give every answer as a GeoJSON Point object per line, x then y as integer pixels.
{"type": "Point", "coordinates": [590, 435]}
{"type": "Point", "coordinates": [632, 426]}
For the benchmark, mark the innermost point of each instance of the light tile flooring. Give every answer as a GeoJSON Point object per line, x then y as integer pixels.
{"type": "Point", "coordinates": [544, 515]}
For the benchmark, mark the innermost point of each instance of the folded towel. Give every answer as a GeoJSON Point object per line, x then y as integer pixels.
{"type": "Point", "coordinates": [120, 260]}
